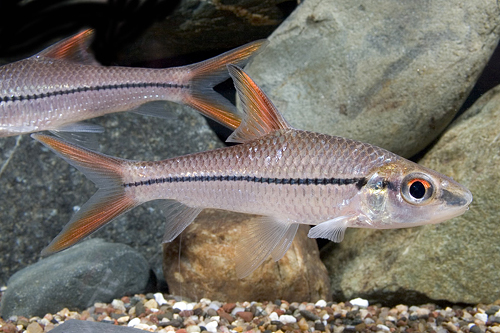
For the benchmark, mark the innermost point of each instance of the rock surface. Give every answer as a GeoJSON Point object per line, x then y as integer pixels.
{"type": "Point", "coordinates": [201, 26]}
{"type": "Point", "coordinates": [454, 261]}
{"type": "Point", "coordinates": [89, 272]}
{"type": "Point", "coordinates": [40, 191]}
{"type": "Point", "coordinates": [206, 268]}
{"type": "Point", "coordinates": [391, 74]}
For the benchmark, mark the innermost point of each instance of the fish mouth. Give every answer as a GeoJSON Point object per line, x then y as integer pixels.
{"type": "Point", "coordinates": [462, 200]}
{"type": "Point", "coordinates": [456, 202]}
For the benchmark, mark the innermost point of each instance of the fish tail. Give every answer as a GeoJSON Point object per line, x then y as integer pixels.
{"type": "Point", "coordinates": [208, 73]}
{"type": "Point", "coordinates": [109, 202]}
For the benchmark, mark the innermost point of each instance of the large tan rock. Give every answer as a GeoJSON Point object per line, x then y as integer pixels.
{"type": "Point", "coordinates": [391, 73]}
{"type": "Point", "coordinates": [457, 260]}
{"type": "Point", "coordinates": [207, 269]}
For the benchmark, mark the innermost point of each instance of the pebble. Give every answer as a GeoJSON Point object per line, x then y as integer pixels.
{"type": "Point", "coordinates": [287, 319]}
{"type": "Point", "coordinates": [34, 328]}
{"type": "Point", "coordinates": [320, 304]}
{"type": "Point", "coordinates": [362, 303]}
{"type": "Point", "coordinates": [481, 316]}
{"type": "Point", "coordinates": [160, 299]}
{"type": "Point", "coordinates": [161, 313]}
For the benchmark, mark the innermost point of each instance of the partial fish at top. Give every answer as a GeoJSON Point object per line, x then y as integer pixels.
{"type": "Point", "coordinates": [287, 176]}
{"type": "Point", "coordinates": [63, 85]}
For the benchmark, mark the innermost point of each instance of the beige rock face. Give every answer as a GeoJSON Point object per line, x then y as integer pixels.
{"type": "Point", "coordinates": [206, 267]}
{"type": "Point", "coordinates": [388, 73]}
{"type": "Point", "coordinates": [456, 260]}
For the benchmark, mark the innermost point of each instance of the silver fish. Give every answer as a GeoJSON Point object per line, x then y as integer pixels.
{"type": "Point", "coordinates": [63, 85]}
{"type": "Point", "coordinates": [287, 176]}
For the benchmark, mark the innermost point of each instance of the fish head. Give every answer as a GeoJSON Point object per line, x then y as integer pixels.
{"type": "Point", "coordinates": [405, 194]}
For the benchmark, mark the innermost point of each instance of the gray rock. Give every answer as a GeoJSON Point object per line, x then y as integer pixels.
{"type": "Point", "coordinates": [207, 266]}
{"type": "Point", "coordinates": [389, 73]}
{"type": "Point", "coordinates": [39, 191]}
{"type": "Point", "coordinates": [82, 326]}
{"type": "Point", "coordinates": [438, 262]}
{"type": "Point", "coordinates": [93, 271]}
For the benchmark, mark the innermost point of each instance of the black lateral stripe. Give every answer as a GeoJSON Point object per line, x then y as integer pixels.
{"type": "Point", "coordinates": [94, 88]}
{"type": "Point", "coordinates": [359, 182]}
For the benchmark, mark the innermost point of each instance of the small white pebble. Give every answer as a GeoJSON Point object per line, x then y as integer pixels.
{"type": "Point", "coordinates": [287, 319]}
{"type": "Point", "coordinates": [212, 326]}
{"type": "Point", "coordinates": [215, 305]}
{"type": "Point", "coordinates": [362, 303]}
{"type": "Point", "coordinates": [146, 327]}
{"type": "Point", "coordinates": [180, 305]}
{"type": "Point", "coordinates": [423, 311]}
{"type": "Point", "coordinates": [273, 316]}
{"type": "Point", "coordinates": [402, 308]}
{"type": "Point", "coordinates": [205, 301]}
{"type": "Point", "coordinates": [123, 320]}
{"type": "Point", "coordinates": [497, 314]}
{"type": "Point", "coordinates": [118, 305]}
{"type": "Point", "coordinates": [320, 304]}
{"type": "Point", "coordinates": [494, 329]}
{"type": "Point", "coordinates": [383, 328]}
{"type": "Point", "coordinates": [481, 316]}
{"type": "Point", "coordinates": [215, 318]}
{"type": "Point", "coordinates": [133, 322]}
{"type": "Point", "coordinates": [44, 321]}
{"type": "Point", "coordinates": [193, 329]}
{"type": "Point", "coordinates": [369, 321]}
{"type": "Point", "coordinates": [237, 309]}
{"type": "Point", "coordinates": [390, 318]}
{"type": "Point", "coordinates": [160, 299]}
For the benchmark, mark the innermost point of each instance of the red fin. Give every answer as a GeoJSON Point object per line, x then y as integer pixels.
{"type": "Point", "coordinates": [108, 202]}
{"type": "Point", "coordinates": [261, 116]}
{"type": "Point", "coordinates": [74, 49]}
{"type": "Point", "coordinates": [103, 207]}
{"type": "Point", "coordinates": [208, 73]}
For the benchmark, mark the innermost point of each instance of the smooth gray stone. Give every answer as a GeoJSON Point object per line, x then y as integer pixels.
{"type": "Point", "coordinates": [39, 191]}
{"type": "Point", "coordinates": [390, 73]}
{"type": "Point", "coordinates": [81, 326]}
{"type": "Point", "coordinates": [456, 260]}
{"type": "Point", "coordinates": [89, 272]}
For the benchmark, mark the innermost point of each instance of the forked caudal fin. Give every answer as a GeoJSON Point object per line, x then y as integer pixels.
{"type": "Point", "coordinates": [209, 73]}
{"type": "Point", "coordinates": [107, 203]}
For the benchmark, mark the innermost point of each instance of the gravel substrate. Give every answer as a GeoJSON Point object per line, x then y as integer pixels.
{"type": "Point", "coordinates": [164, 313]}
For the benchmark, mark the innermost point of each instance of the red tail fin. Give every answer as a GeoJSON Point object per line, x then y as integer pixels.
{"type": "Point", "coordinates": [208, 73]}
{"type": "Point", "coordinates": [107, 203]}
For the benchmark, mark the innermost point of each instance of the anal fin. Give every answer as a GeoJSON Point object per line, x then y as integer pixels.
{"type": "Point", "coordinates": [178, 216]}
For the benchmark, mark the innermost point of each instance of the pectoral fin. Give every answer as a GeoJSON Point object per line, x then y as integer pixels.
{"type": "Point", "coordinates": [266, 235]}
{"type": "Point", "coordinates": [179, 216]}
{"type": "Point", "coordinates": [332, 229]}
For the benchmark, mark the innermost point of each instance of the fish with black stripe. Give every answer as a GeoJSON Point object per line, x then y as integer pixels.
{"type": "Point", "coordinates": [286, 175]}
{"type": "Point", "coordinates": [64, 85]}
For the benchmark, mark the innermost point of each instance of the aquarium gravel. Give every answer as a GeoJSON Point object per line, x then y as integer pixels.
{"type": "Point", "coordinates": [165, 313]}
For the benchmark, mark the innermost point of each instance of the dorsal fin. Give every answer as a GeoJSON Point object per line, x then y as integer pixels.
{"type": "Point", "coordinates": [73, 49]}
{"type": "Point", "coordinates": [261, 116]}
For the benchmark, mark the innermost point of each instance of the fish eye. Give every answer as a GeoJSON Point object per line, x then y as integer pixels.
{"type": "Point", "coordinates": [417, 188]}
